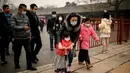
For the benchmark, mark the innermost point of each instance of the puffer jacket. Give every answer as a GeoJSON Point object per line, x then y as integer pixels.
{"type": "Point", "coordinates": [84, 38]}
{"type": "Point", "coordinates": [17, 23]}
{"type": "Point", "coordinates": [105, 26]}
{"type": "Point", "coordinates": [62, 51]}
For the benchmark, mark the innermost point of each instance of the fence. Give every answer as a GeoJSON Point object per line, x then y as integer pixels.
{"type": "Point", "coordinates": [120, 30]}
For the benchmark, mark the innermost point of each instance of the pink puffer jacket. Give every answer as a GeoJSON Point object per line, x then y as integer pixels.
{"type": "Point", "coordinates": [84, 38]}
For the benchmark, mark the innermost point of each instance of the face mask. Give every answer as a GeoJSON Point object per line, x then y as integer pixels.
{"type": "Point", "coordinates": [67, 39]}
{"type": "Point", "coordinates": [60, 19]}
{"type": "Point", "coordinates": [53, 15]}
{"type": "Point", "coordinates": [34, 11]}
{"type": "Point", "coordinates": [73, 23]}
{"type": "Point", "coordinates": [24, 12]}
{"type": "Point", "coordinates": [87, 25]}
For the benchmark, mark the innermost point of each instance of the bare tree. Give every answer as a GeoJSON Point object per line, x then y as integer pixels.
{"type": "Point", "coordinates": [116, 4]}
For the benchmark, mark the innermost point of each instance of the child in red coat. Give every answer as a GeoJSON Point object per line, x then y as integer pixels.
{"type": "Point", "coordinates": [62, 50]}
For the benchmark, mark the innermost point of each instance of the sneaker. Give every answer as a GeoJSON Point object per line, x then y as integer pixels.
{"type": "Point", "coordinates": [3, 63]}
{"type": "Point", "coordinates": [52, 49]}
{"type": "Point", "coordinates": [69, 69]}
{"type": "Point", "coordinates": [32, 68]}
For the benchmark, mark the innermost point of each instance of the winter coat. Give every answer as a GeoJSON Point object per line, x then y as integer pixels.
{"type": "Point", "coordinates": [73, 30]}
{"type": "Point", "coordinates": [64, 51]}
{"type": "Point", "coordinates": [105, 26]}
{"type": "Point", "coordinates": [34, 23]}
{"type": "Point", "coordinates": [84, 38]}
{"type": "Point", "coordinates": [17, 23]}
{"type": "Point", "coordinates": [5, 27]}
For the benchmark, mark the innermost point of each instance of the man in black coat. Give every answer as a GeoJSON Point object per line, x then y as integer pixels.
{"type": "Point", "coordinates": [51, 29]}
{"type": "Point", "coordinates": [5, 32]}
{"type": "Point", "coordinates": [36, 38]}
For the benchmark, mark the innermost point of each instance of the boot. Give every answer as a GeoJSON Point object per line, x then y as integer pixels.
{"type": "Point", "coordinates": [88, 65]}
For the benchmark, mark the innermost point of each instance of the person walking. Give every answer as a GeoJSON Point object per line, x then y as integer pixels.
{"type": "Point", "coordinates": [22, 36]}
{"type": "Point", "coordinates": [36, 38]}
{"type": "Point", "coordinates": [84, 41]}
{"type": "Point", "coordinates": [51, 30]}
{"type": "Point", "coordinates": [5, 32]}
{"type": "Point", "coordinates": [105, 31]}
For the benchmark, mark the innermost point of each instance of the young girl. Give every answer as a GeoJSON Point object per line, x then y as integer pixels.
{"type": "Point", "coordinates": [84, 40]}
{"type": "Point", "coordinates": [62, 50]}
{"type": "Point", "coordinates": [105, 30]}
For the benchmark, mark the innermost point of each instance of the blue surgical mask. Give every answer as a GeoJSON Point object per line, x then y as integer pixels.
{"type": "Point", "coordinates": [73, 23]}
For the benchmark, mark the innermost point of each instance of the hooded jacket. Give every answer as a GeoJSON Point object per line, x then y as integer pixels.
{"type": "Point", "coordinates": [84, 38]}
{"type": "Point", "coordinates": [73, 30]}
{"type": "Point", "coordinates": [105, 26]}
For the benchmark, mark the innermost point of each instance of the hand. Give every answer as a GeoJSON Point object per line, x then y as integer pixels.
{"type": "Point", "coordinates": [26, 27]}
{"type": "Point", "coordinates": [60, 46]}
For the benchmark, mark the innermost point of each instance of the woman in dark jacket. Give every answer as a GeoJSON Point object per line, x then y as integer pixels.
{"type": "Point", "coordinates": [59, 22]}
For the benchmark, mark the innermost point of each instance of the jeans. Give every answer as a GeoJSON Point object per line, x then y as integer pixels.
{"type": "Point", "coordinates": [71, 56]}
{"type": "Point", "coordinates": [52, 39]}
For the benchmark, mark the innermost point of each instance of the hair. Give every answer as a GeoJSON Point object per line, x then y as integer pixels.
{"type": "Point", "coordinates": [57, 19]}
{"type": "Point", "coordinates": [66, 34]}
{"type": "Point", "coordinates": [22, 5]}
{"type": "Point", "coordinates": [85, 20]}
{"type": "Point", "coordinates": [106, 15]}
{"type": "Point", "coordinates": [5, 6]}
{"type": "Point", "coordinates": [74, 15]}
{"type": "Point", "coordinates": [33, 5]}
{"type": "Point", "coordinates": [53, 12]}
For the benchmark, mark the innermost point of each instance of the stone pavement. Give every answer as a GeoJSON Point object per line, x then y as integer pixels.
{"type": "Point", "coordinates": [125, 68]}
{"type": "Point", "coordinates": [103, 63]}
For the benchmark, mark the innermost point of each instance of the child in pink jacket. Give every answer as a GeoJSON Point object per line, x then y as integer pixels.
{"type": "Point", "coordinates": [84, 41]}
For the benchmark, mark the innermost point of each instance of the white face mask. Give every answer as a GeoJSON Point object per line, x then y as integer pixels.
{"type": "Point", "coordinates": [67, 39]}
{"type": "Point", "coordinates": [73, 23]}
{"type": "Point", "coordinates": [60, 19]}
{"type": "Point", "coordinates": [24, 12]}
{"type": "Point", "coordinates": [54, 15]}
{"type": "Point", "coordinates": [87, 25]}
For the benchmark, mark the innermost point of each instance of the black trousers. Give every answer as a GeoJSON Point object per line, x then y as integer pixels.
{"type": "Point", "coordinates": [36, 45]}
{"type": "Point", "coordinates": [17, 46]}
{"type": "Point", "coordinates": [3, 44]}
{"type": "Point", "coordinates": [84, 56]}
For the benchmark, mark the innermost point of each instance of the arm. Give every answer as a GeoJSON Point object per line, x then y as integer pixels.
{"type": "Point", "coordinates": [77, 37]}
{"type": "Point", "coordinates": [48, 23]}
{"type": "Point", "coordinates": [14, 26]}
{"type": "Point", "coordinates": [94, 35]}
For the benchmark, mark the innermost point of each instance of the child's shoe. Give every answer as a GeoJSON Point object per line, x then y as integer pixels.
{"type": "Point", "coordinates": [88, 65]}
{"type": "Point", "coordinates": [69, 69]}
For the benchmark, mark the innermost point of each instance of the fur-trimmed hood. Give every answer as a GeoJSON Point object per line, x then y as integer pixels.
{"type": "Point", "coordinates": [69, 26]}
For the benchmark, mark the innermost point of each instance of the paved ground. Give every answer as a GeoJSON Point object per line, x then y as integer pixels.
{"type": "Point", "coordinates": [103, 63]}
{"type": "Point", "coordinates": [125, 68]}
{"type": "Point", "coordinates": [45, 57]}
